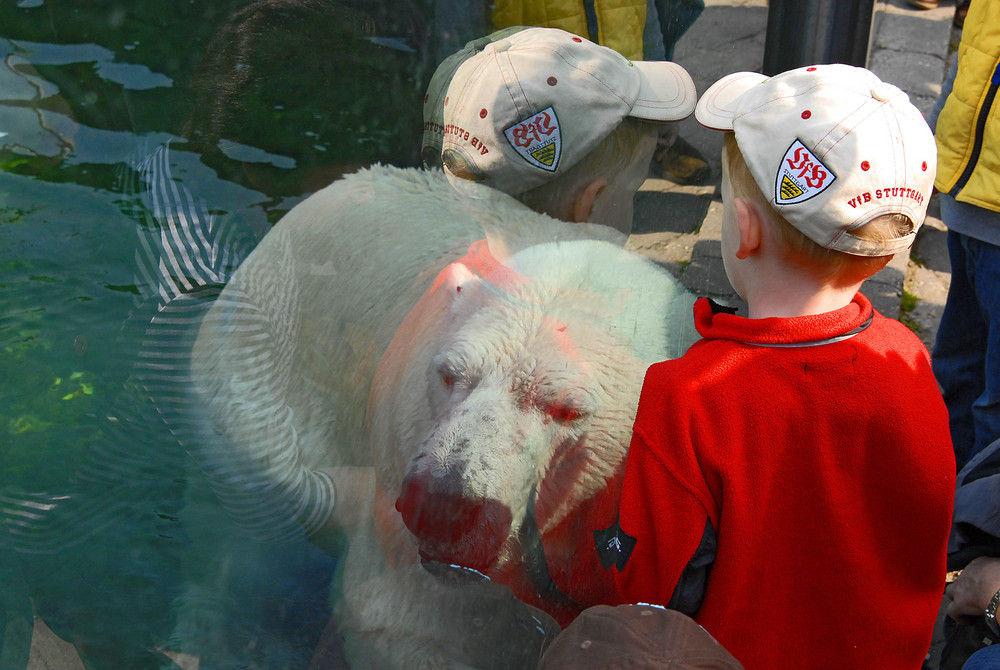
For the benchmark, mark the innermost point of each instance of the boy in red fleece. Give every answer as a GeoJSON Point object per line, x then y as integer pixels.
{"type": "Point", "coordinates": [790, 478]}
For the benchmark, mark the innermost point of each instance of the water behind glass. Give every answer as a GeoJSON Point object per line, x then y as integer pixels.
{"type": "Point", "coordinates": [121, 125]}
{"type": "Point", "coordinates": [148, 149]}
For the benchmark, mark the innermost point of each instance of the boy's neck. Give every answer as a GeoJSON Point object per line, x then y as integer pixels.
{"type": "Point", "coordinates": [784, 291]}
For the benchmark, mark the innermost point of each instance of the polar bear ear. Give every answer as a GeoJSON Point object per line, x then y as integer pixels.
{"type": "Point", "coordinates": [457, 279]}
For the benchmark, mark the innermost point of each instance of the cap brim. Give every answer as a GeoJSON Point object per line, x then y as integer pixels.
{"type": "Point", "coordinates": [666, 92]}
{"type": "Point", "coordinates": [718, 104]}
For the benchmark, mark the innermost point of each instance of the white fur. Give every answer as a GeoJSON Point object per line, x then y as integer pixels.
{"type": "Point", "coordinates": [285, 363]}
{"type": "Point", "coordinates": [577, 335]}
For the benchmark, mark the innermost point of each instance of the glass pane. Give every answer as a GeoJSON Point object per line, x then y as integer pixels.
{"type": "Point", "coordinates": [273, 394]}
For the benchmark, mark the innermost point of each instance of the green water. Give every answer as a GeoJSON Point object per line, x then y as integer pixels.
{"type": "Point", "coordinates": [96, 494]}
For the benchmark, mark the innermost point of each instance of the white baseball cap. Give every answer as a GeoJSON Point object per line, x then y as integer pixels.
{"type": "Point", "coordinates": [437, 91]}
{"type": "Point", "coordinates": [832, 146]}
{"type": "Point", "coordinates": [527, 107]}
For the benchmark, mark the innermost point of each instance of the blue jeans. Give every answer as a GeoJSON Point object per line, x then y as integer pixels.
{"type": "Point", "coordinates": [966, 358]}
{"type": "Point", "coordinates": [987, 658]}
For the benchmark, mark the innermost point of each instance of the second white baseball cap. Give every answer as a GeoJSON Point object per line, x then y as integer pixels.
{"type": "Point", "coordinates": [832, 147]}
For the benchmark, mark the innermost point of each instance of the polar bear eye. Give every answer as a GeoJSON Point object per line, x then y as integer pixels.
{"type": "Point", "coordinates": [449, 376]}
{"type": "Point", "coordinates": [453, 371]}
{"type": "Point", "coordinates": [563, 413]}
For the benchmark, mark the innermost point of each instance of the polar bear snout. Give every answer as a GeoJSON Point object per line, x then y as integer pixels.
{"type": "Point", "coordinates": [452, 527]}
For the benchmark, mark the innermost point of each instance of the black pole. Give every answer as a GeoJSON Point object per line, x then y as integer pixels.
{"type": "Point", "coordinates": [849, 32]}
{"type": "Point", "coordinates": [806, 32]}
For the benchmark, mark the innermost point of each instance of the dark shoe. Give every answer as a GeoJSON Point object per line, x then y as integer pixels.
{"type": "Point", "coordinates": [682, 164]}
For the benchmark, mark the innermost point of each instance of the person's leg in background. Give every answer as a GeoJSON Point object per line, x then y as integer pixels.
{"type": "Point", "coordinates": [966, 357]}
{"type": "Point", "coordinates": [666, 21]}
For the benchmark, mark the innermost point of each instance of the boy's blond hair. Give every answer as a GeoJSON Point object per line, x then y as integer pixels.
{"type": "Point", "coordinates": [835, 267]}
{"type": "Point", "coordinates": [609, 159]}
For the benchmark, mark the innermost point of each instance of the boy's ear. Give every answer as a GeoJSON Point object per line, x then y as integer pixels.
{"type": "Point", "coordinates": [750, 224]}
{"type": "Point", "coordinates": [583, 203]}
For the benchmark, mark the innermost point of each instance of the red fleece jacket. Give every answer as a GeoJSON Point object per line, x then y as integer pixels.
{"type": "Point", "coordinates": [826, 470]}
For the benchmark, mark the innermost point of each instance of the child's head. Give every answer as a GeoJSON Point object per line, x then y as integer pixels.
{"type": "Point", "coordinates": [621, 159]}
{"type": "Point", "coordinates": [538, 113]}
{"type": "Point", "coordinates": [827, 265]}
{"type": "Point", "coordinates": [840, 163]}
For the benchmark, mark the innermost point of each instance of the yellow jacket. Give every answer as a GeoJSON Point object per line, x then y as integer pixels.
{"type": "Point", "coordinates": [968, 129]}
{"type": "Point", "coordinates": [619, 22]}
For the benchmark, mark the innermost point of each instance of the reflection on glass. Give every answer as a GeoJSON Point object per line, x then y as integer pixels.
{"type": "Point", "coordinates": [254, 420]}
{"type": "Point", "coordinates": [501, 391]}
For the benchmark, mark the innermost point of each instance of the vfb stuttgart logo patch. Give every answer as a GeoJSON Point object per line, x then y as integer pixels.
{"type": "Point", "coordinates": [801, 176]}
{"type": "Point", "coordinates": [537, 139]}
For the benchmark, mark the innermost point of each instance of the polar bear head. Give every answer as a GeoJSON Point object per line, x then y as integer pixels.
{"type": "Point", "coordinates": [502, 412]}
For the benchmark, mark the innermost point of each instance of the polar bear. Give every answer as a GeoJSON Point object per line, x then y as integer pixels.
{"type": "Point", "coordinates": [284, 359]}
{"type": "Point", "coordinates": [500, 416]}
{"type": "Point", "coordinates": [282, 369]}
